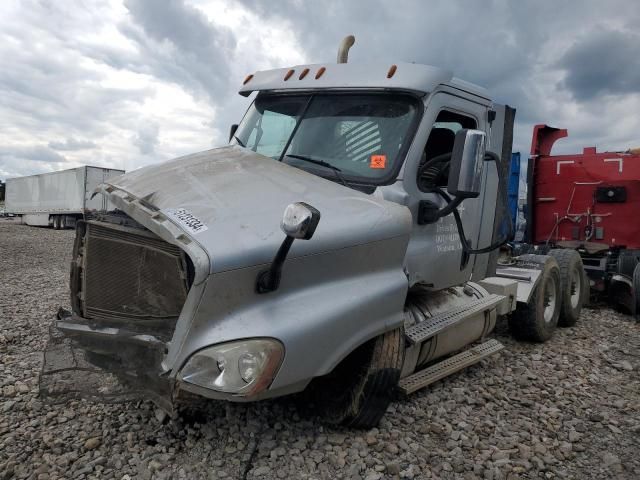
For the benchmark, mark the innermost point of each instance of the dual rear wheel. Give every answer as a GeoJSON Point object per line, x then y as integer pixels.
{"type": "Point", "coordinates": [557, 299]}
{"type": "Point", "coordinates": [574, 288]}
{"type": "Point", "coordinates": [59, 222]}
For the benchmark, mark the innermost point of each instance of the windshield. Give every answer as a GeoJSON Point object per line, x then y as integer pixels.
{"type": "Point", "coordinates": [361, 136]}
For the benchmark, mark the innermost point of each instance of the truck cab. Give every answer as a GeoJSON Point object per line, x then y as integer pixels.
{"type": "Point", "coordinates": [379, 124]}
{"type": "Point", "coordinates": [343, 244]}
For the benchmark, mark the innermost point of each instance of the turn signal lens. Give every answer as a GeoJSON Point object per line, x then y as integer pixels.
{"type": "Point", "coordinates": [249, 366]}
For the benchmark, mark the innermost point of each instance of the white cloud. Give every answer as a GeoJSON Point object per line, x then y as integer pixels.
{"type": "Point", "coordinates": [124, 84]}
{"type": "Point", "coordinates": [132, 82]}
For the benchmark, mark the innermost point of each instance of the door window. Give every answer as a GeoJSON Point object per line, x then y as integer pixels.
{"type": "Point", "coordinates": [436, 157]}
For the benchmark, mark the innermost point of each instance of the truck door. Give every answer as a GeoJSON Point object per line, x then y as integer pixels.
{"type": "Point", "coordinates": [435, 255]}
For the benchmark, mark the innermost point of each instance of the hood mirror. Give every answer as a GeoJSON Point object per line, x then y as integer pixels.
{"type": "Point", "coordinates": [299, 221]}
{"type": "Point", "coordinates": [467, 160]}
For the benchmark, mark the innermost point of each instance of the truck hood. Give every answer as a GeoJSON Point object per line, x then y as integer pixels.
{"type": "Point", "coordinates": [230, 201]}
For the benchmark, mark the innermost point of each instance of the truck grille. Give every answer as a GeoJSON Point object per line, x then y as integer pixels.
{"type": "Point", "coordinates": [129, 273]}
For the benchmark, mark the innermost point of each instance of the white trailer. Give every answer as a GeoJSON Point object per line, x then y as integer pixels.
{"type": "Point", "coordinates": [58, 199]}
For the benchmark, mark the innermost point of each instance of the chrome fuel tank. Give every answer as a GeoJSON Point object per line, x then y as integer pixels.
{"type": "Point", "coordinates": [423, 305]}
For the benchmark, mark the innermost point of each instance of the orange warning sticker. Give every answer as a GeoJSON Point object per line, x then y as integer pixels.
{"type": "Point", "coordinates": [378, 161]}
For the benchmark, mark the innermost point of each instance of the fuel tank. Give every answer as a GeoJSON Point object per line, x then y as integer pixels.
{"type": "Point", "coordinates": [423, 304]}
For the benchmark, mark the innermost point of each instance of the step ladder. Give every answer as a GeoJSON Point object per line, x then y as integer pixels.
{"type": "Point", "coordinates": [449, 366]}
{"type": "Point", "coordinates": [443, 321]}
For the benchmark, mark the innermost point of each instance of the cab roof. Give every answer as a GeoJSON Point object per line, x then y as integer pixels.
{"type": "Point", "coordinates": [410, 77]}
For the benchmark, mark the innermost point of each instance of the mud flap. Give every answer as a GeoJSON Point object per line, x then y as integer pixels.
{"type": "Point", "coordinates": [102, 365]}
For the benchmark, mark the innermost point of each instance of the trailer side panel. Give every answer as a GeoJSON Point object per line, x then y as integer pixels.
{"type": "Point", "coordinates": [64, 192]}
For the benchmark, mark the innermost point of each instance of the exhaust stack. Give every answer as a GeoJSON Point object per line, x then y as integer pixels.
{"type": "Point", "coordinates": [343, 50]}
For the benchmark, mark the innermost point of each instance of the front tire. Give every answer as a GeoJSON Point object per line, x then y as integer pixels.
{"type": "Point", "coordinates": [572, 285]}
{"type": "Point", "coordinates": [537, 320]}
{"type": "Point", "coordinates": [359, 390]}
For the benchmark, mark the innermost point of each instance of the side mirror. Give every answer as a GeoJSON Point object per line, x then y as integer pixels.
{"type": "Point", "coordinates": [232, 131]}
{"type": "Point", "coordinates": [299, 221]}
{"type": "Point", "coordinates": [467, 160]}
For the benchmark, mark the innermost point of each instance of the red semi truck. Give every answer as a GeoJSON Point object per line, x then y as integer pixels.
{"type": "Point", "coordinates": [589, 202]}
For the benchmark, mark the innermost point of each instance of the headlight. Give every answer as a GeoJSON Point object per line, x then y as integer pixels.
{"type": "Point", "coordinates": [243, 367]}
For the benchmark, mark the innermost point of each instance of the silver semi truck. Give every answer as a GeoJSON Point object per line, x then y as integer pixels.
{"type": "Point", "coordinates": [346, 243]}
{"type": "Point", "coordinates": [58, 199]}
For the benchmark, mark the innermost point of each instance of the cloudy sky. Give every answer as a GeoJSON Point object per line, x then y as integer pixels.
{"type": "Point", "coordinates": [131, 82]}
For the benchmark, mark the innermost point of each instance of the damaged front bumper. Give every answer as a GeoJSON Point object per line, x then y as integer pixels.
{"type": "Point", "coordinates": [104, 364]}
{"type": "Point", "coordinates": [115, 365]}
{"type": "Point", "coordinates": [129, 290]}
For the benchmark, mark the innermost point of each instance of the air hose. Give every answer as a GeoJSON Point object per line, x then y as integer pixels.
{"type": "Point", "coordinates": [452, 207]}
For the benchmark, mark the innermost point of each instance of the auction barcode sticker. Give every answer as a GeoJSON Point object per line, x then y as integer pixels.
{"type": "Point", "coordinates": [187, 220]}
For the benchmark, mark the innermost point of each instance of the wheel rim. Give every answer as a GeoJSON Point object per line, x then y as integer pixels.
{"type": "Point", "coordinates": [549, 299]}
{"type": "Point", "coordinates": [575, 284]}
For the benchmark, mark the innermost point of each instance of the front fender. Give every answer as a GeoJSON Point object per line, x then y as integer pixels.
{"type": "Point", "coordinates": [327, 305]}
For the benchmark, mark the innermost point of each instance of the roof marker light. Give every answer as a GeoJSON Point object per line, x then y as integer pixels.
{"type": "Point", "coordinates": [303, 74]}
{"type": "Point", "coordinates": [288, 75]}
{"type": "Point", "coordinates": [320, 72]}
{"type": "Point", "coordinates": [392, 71]}
{"type": "Point", "coordinates": [247, 79]}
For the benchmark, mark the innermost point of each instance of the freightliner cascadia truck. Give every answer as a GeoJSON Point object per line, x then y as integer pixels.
{"type": "Point", "coordinates": [345, 243]}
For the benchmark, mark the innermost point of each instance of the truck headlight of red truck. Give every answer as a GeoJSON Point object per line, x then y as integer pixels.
{"type": "Point", "coordinates": [244, 367]}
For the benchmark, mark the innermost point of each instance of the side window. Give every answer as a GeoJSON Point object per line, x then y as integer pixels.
{"type": "Point", "coordinates": [434, 164]}
{"type": "Point", "coordinates": [270, 139]}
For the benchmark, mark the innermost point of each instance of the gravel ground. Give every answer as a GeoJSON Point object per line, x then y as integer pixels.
{"type": "Point", "coordinates": [567, 409]}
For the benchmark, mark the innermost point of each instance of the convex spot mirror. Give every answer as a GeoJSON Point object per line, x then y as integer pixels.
{"type": "Point", "coordinates": [467, 160]}
{"type": "Point", "coordinates": [300, 220]}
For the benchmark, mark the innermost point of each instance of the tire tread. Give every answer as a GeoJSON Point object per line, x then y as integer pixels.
{"type": "Point", "coordinates": [566, 258]}
{"type": "Point", "coordinates": [525, 323]}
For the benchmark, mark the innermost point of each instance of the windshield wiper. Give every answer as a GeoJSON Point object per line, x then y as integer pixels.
{"type": "Point", "coordinates": [295, 128]}
{"type": "Point", "coordinates": [239, 142]}
{"type": "Point", "coordinates": [322, 163]}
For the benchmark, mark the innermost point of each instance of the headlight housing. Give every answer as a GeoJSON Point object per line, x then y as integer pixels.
{"type": "Point", "coordinates": [243, 367]}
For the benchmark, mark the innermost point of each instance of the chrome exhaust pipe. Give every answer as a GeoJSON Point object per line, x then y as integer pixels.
{"type": "Point", "coordinates": [343, 50]}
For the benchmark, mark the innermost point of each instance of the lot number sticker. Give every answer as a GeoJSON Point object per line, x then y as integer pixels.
{"type": "Point", "coordinates": [187, 220]}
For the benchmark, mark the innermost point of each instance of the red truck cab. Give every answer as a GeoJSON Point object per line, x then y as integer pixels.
{"type": "Point", "coordinates": [590, 202]}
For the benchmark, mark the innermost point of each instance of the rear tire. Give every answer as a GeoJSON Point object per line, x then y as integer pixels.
{"type": "Point", "coordinates": [537, 320]}
{"type": "Point", "coordinates": [359, 390]}
{"type": "Point", "coordinates": [572, 285]}
{"type": "Point", "coordinates": [56, 222]}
